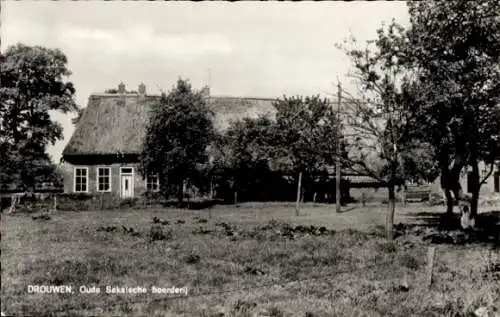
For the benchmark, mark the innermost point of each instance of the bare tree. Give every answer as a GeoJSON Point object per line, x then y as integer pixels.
{"type": "Point", "coordinates": [379, 118]}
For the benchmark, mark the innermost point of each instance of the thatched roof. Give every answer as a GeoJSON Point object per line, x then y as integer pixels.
{"type": "Point", "coordinates": [114, 123]}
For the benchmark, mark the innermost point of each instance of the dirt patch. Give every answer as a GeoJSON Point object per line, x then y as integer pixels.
{"type": "Point", "coordinates": [435, 235]}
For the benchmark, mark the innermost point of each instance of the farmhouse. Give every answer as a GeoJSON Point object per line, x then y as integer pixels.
{"type": "Point", "coordinates": [103, 152]}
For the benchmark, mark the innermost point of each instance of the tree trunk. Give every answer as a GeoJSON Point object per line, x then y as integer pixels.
{"type": "Point", "coordinates": [180, 193]}
{"type": "Point", "coordinates": [475, 190]}
{"type": "Point", "coordinates": [391, 208]}
{"type": "Point", "coordinates": [450, 181]}
{"type": "Point", "coordinates": [445, 181]}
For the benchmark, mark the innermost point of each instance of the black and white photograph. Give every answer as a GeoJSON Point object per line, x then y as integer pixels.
{"type": "Point", "coordinates": [250, 158]}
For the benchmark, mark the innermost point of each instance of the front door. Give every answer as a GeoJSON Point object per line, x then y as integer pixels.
{"type": "Point", "coordinates": [127, 186]}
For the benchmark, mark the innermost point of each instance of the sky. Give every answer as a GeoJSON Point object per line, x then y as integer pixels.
{"type": "Point", "coordinates": [248, 49]}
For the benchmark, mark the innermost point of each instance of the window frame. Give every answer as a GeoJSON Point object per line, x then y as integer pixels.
{"type": "Point", "coordinates": [86, 179]}
{"type": "Point", "coordinates": [157, 183]}
{"type": "Point", "coordinates": [97, 177]}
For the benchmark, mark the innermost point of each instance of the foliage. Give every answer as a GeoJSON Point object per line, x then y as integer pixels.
{"type": "Point", "coordinates": [246, 143]}
{"type": "Point", "coordinates": [454, 48]}
{"type": "Point", "coordinates": [302, 138]}
{"type": "Point", "coordinates": [306, 133]}
{"type": "Point", "coordinates": [177, 137]}
{"type": "Point", "coordinates": [243, 153]}
{"type": "Point", "coordinates": [33, 84]}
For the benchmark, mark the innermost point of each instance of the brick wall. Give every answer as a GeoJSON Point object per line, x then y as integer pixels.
{"type": "Point", "coordinates": [68, 172]}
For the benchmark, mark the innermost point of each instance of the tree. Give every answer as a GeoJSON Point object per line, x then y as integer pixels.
{"type": "Point", "coordinates": [34, 82]}
{"type": "Point", "coordinates": [178, 135]}
{"type": "Point", "coordinates": [306, 133]}
{"type": "Point", "coordinates": [380, 117]}
{"type": "Point", "coordinates": [301, 139]}
{"type": "Point", "coordinates": [454, 48]}
{"type": "Point", "coordinates": [244, 153]}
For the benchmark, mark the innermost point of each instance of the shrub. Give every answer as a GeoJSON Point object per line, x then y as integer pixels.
{"type": "Point", "coordinates": [386, 247]}
{"type": "Point", "coordinates": [102, 201]}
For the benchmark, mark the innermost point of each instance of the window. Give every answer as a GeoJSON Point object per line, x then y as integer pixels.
{"type": "Point", "coordinates": [127, 170]}
{"type": "Point", "coordinates": [81, 179]}
{"type": "Point", "coordinates": [103, 179]}
{"type": "Point", "coordinates": [153, 183]}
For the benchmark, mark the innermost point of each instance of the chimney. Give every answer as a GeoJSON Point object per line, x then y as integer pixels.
{"type": "Point", "coordinates": [205, 91]}
{"type": "Point", "coordinates": [121, 88]}
{"type": "Point", "coordinates": [142, 89]}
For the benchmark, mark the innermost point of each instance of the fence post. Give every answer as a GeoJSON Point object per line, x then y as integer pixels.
{"type": "Point", "coordinates": [298, 195]}
{"type": "Point", "coordinates": [363, 199]}
{"type": "Point", "coordinates": [211, 189]}
{"type": "Point", "coordinates": [13, 202]}
{"type": "Point", "coordinates": [403, 195]}
{"type": "Point", "coordinates": [55, 203]}
{"type": "Point", "coordinates": [431, 253]}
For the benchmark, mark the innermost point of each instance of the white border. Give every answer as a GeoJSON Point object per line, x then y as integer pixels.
{"type": "Point", "coordinates": [133, 184]}
{"type": "Point", "coordinates": [97, 179]}
{"type": "Point", "coordinates": [86, 179]}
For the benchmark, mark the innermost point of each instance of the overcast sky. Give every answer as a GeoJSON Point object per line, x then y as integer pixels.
{"type": "Point", "coordinates": [258, 49]}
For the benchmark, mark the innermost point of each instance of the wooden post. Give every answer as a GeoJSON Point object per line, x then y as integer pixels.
{"type": "Point", "coordinates": [298, 194]}
{"type": "Point", "coordinates": [211, 198]}
{"type": "Point", "coordinates": [211, 189]}
{"type": "Point", "coordinates": [406, 285]}
{"type": "Point", "coordinates": [337, 161]}
{"type": "Point", "coordinates": [236, 198]}
{"type": "Point", "coordinates": [55, 203]}
{"type": "Point", "coordinates": [430, 265]}
{"type": "Point", "coordinates": [13, 201]}
{"type": "Point", "coordinates": [403, 195]}
{"type": "Point", "coordinates": [363, 199]}
{"type": "Point", "coordinates": [314, 198]}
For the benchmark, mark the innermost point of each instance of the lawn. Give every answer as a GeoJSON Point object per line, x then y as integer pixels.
{"type": "Point", "coordinates": [253, 260]}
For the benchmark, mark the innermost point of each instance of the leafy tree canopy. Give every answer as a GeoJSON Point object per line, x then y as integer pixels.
{"type": "Point", "coordinates": [454, 51]}
{"type": "Point", "coordinates": [177, 137]}
{"type": "Point", "coordinates": [34, 82]}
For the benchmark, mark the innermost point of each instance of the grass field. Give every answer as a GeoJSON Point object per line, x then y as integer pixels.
{"type": "Point", "coordinates": [262, 261]}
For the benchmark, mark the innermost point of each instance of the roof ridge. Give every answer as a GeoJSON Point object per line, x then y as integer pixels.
{"type": "Point", "coordinates": [110, 95]}
{"type": "Point", "coordinates": [242, 97]}
{"type": "Point", "coordinates": [103, 94]}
